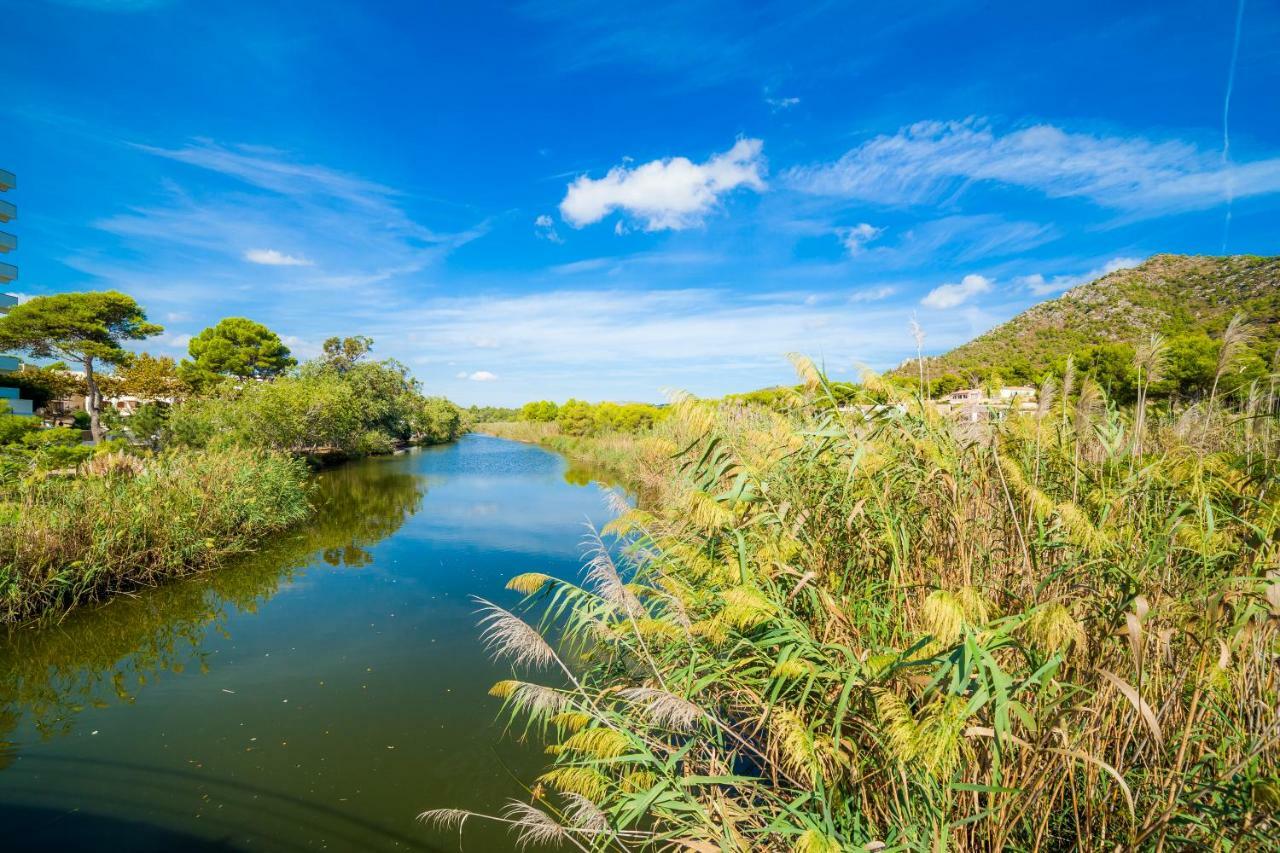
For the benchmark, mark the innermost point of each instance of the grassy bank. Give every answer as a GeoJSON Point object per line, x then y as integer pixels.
{"type": "Point", "coordinates": [840, 629]}
{"type": "Point", "coordinates": [125, 522]}
{"type": "Point", "coordinates": [627, 455]}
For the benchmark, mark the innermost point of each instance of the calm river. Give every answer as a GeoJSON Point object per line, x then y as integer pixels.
{"type": "Point", "coordinates": [317, 696]}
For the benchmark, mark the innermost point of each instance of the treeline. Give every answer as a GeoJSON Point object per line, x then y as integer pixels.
{"type": "Point", "coordinates": [1190, 368]}
{"type": "Point", "coordinates": [211, 462]}
{"type": "Point", "coordinates": [580, 418]}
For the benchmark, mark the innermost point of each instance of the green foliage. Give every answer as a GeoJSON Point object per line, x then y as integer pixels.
{"type": "Point", "coordinates": [148, 377]}
{"type": "Point", "coordinates": [341, 354]}
{"type": "Point", "coordinates": [149, 425]}
{"type": "Point", "coordinates": [80, 419]}
{"type": "Point", "coordinates": [437, 421]}
{"type": "Point", "coordinates": [363, 408]}
{"type": "Point", "coordinates": [838, 629]}
{"type": "Point", "coordinates": [13, 428]}
{"type": "Point", "coordinates": [83, 327]}
{"type": "Point", "coordinates": [42, 384]}
{"type": "Point", "coordinates": [124, 524]}
{"type": "Point", "coordinates": [575, 417]}
{"type": "Point", "coordinates": [491, 414]}
{"type": "Point", "coordinates": [1111, 366]}
{"type": "Point", "coordinates": [543, 411]}
{"type": "Point", "coordinates": [76, 326]}
{"type": "Point", "coordinates": [946, 384]}
{"type": "Point", "coordinates": [1187, 299]}
{"type": "Point", "coordinates": [238, 348]}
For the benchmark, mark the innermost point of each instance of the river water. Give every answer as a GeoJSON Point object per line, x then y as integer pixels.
{"type": "Point", "coordinates": [316, 696]}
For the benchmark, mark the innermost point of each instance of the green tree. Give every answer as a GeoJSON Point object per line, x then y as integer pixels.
{"type": "Point", "coordinates": [236, 347]}
{"type": "Point", "coordinates": [575, 418]}
{"type": "Point", "coordinates": [341, 354]}
{"type": "Point", "coordinates": [946, 384]}
{"type": "Point", "coordinates": [1189, 367]}
{"type": "Point", "coordinates": [87, 328]}
{"type": "Point", "coordinates": [149, 377]}
{"type": "Point", "coordinates": [542, 411]}
{"type": "Point", "coordinates": [1111, 366]}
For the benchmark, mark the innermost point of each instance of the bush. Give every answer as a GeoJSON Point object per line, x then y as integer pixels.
{"type": "Point", "coordinates": [70, 540]}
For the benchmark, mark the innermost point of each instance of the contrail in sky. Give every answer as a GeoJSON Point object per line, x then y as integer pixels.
{"type": "Point", "coordinates": [1226, 137]}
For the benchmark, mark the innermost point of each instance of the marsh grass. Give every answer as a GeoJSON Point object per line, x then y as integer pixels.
{"type": "Point", "coordinates": [850, 628]}
{"type": "Point", "coordinates": [126, 522]}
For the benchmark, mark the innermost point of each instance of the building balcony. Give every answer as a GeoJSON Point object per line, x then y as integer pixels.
{"type": "Point", "coordinates": [7, 301]}
{"type": "Point", "coordinates": [7, 211]}
{"type": "Point", "coordinates": [8, 272]}
{"type": "Point", "coordinates": [7, 181]}
{"type": "Point", "coordinates": [8, 242]}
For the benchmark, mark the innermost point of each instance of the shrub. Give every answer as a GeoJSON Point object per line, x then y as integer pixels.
{"type": "Point", "coordinates": [71, 540]}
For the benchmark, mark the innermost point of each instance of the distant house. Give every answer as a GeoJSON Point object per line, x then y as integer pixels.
{"type": "Point", "coordinates": [966, 395]}
{"type": "Point", "coordinates": [1017, 392]}
{"type": "Point", "coordinates": [973, 404]}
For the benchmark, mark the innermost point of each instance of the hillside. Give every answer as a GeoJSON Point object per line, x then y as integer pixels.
{"type": "Point", "coordinates": [1172, 294]}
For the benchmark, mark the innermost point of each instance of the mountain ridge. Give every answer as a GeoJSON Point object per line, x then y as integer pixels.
{"type": "Point", "coordinates": [1175, 295]}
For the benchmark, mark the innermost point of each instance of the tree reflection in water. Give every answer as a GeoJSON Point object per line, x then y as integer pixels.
{"type": "Point", "coordinates": [51, 672]}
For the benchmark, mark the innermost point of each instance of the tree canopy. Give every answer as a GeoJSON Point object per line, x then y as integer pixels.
{"type": "Point", "coordinates": [76, 326]}
{"type": "Point", "coordinates": [236, 347]}
{"type": "Point", "coordinates": [82, 327]}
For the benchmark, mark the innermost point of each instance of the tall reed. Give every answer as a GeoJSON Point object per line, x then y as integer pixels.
{"type": "Point", "coordinates": [129, 523]}
{"type": "Point", "coordinates": [869, 627]}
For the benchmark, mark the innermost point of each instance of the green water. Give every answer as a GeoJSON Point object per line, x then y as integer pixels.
{"type": "Point", "coordinates": [314, 697]}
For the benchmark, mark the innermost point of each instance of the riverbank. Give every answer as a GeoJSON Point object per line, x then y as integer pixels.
{"type": "Point", "coordinates": [125, 522]}
{"type": "Point", "coordinates": [876, 626]}
{"type": "Point", "coordinates": [164, 711]}
{"type": "Point", "coordinates": [629, 456]}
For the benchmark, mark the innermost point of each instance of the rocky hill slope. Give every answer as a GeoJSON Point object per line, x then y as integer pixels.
{"type": "Point", "coordinates": [1171, 294]}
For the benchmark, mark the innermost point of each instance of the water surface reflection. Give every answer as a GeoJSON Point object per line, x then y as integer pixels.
{"type": "Point", "coordinates": [316, 695]}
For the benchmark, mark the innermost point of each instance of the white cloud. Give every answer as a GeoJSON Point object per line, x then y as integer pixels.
{"type": "Point", "coordinates": [780, 104]}
{"type": "Point", "coordinates": [874, 294]}
{"type": "Point", "coordinates": [1039, 285]}
{"type": "Point", "coordinates": [545, 227]}
{"type": "Point", "coordinates": [951, 295]}
{"type": "Point", "coordinates": [856, 237]}
{"type": "Point", "coordinates": [482, 376]}
{"type": "Point", "coordinates": [929, 161]}
{"type": "Point", "coordinates": [275, 258]}
{"type": "Point", "coordinates": [670, 194]}
{"type": "Point", "coordinates": [171, 341]}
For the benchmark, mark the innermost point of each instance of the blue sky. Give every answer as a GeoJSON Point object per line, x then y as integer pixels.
{"type": "Point", "coordinates": [548, 199]}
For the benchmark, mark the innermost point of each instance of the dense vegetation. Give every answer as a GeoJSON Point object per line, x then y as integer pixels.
{"type": "Point", "coordinates": [126, 521]}
{"type": "Point", "coordinates": [603, 435]}
{"type": "Point", "coordinates": [1187, 299]}
{"type": "Point", "coordinates": [847, 627]}
{"type": "Point", "coordinates": [211, 465]}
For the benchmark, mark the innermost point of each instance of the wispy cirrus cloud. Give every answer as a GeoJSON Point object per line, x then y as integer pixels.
{"type": "Point", "coordinates": [238, 203]}
{"type": "Point", "coordinates": [671, 194]}
{"type": "Point", "coordinates": [931, 161]}
{"type": "Point", "coordinates": [275, 258]}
